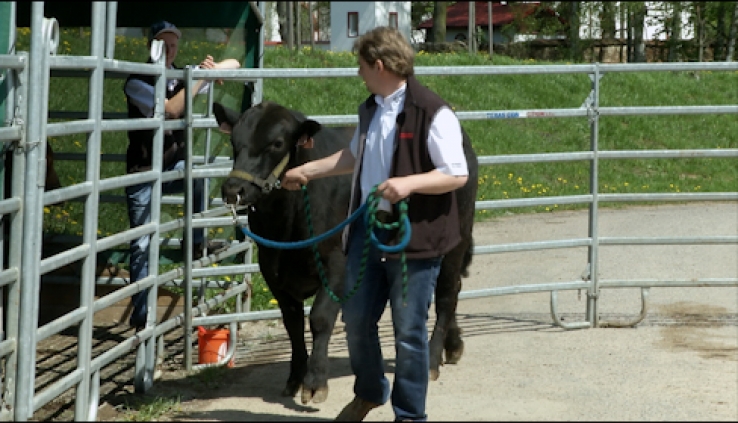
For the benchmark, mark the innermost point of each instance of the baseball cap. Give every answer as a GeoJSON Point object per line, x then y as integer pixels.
{"type": "Point", "coordinates": [162, 27]}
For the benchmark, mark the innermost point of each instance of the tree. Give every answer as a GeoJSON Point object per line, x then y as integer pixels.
{"type": "Point", "coordinates": [721, 33]}
{"type": "Point", "coordinates": [572, 34]}
{"type": "Point", "coordinates": [732, 35]}
{"type": "Point", "coordinates": [700, 16]}
{"type": "Point", "coordinates": [607, 25]}
{"type": "Point", "coordinates": [420, 11]}
{"type": "Point", "coordinates": [438, 32]}
{"type": "Point", "coordinates": [282, 11]}
{"type": "Point", "coordinates": [607, 19]}
{"type": "Point", "coordinates": [640, 10]}
{"type": "Point", "coordinates": [673, 27]}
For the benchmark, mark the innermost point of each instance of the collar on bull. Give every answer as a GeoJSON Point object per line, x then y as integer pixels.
{"type": "Point", "coordinates": [268, 184]}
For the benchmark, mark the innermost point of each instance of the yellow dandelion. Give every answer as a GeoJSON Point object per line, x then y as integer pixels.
{"type": "Point", "coordinates": [273, 301]}
{"type": "Point", "coordinates": [47, 210]}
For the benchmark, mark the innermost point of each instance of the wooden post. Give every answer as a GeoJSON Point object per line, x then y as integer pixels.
{"type": "Point", "coordinates": [290, 26]}
{"type": "Point", "coordinates": [298, 27]}
{"type": "Point", "coordinates": [472, 23]}
{"type": "Point", "coordinates": [490, 30]}
{"type": "Point", "coordinates": [312, 25]}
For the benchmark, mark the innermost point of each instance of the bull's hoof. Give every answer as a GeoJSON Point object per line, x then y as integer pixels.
{"type": "Point", "coordinates": [317, 396]}
{"type": "Point", "coordinates": [434, 373]}
{"type": "Point", "coordinates": [453, 356]}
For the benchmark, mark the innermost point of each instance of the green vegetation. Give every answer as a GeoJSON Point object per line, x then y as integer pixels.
{"type": "Point", "coordinates": [149, 409]}
{"type": "Point", "coordinates": [328, 96]}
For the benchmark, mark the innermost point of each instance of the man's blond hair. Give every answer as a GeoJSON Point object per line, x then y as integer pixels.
{"type": "Point", "coordinates": [389, 45]}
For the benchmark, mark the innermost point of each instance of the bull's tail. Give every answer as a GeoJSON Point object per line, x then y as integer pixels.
{"type": "Point", "coordinates": [466, 260]}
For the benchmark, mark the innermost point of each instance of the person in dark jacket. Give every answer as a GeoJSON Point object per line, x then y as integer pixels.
{"type": "Point", "coordinates": [408, 145]}
{"type": "Point", "coordinates": [140, 98]}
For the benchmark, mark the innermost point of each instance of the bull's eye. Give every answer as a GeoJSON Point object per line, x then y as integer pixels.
{"type": "Point", "coordinates": [278, 144]}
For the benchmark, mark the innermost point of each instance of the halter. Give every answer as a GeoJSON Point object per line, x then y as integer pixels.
{"type": "Point", "coordinates": [268, 184]}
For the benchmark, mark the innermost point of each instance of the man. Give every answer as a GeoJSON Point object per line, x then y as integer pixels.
{"type": "Point", "coordinates": [409, 145]}
{"type": "Point", "coordinates": [140, 97]}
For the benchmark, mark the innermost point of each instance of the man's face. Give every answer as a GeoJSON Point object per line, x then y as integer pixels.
{"type": "Point", "coordinates": [171, 46]}
{"type": "Point", "coordinates": [370, 74]}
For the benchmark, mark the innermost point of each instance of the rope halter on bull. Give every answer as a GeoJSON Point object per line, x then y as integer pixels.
{"type": "Point", "coordinates": [368, 209]}
{"type": "Point", "coordinates": [266, 185]}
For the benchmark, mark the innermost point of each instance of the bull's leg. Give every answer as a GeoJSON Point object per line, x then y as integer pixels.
{"type": "Point", "coordinates": [446, 333]}
{"type": "Point", "coordinates": [294, 322]}
{"type": "Point", "coordinates": [323, 315]}
{"type": "Point", "coordinates": [453, 344]}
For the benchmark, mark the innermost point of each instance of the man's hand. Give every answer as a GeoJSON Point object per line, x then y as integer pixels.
{"type": "Point", "coordinates": [294, 178]}
{"type": "Point", "coordinates": [395, 189]}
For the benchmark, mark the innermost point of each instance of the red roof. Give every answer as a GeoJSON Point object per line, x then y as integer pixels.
{"type": "Point", "coordinates": [457, 14]}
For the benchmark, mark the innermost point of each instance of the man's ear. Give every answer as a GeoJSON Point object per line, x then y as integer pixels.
{"type": "Point", "coordinates": [379, 64]}
{"type": "Point", "coordinates": [226, 117]}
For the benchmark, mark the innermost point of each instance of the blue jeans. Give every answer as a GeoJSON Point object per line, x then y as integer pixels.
{"type": "Point", "coordinates": [361, 313]}
{"type": "Point", "coordinates": [138, 199]}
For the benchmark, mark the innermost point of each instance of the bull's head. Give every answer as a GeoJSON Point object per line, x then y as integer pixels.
{"type": "Point", "coordinates": [264, 140]}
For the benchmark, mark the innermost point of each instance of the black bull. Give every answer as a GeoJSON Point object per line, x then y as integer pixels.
{"type": "Point", "coordinates": [261, 137]}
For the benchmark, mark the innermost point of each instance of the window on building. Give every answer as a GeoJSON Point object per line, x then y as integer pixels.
{"type": "Point", "coordinates": [393, 19]}
{"type": "Point", "coordinates": [353, 24]}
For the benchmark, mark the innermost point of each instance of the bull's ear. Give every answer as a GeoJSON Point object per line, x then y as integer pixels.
{"type": "Point", "coordinates": [309, 128]}
{"type": "Point", "coordinates": [226, 117]}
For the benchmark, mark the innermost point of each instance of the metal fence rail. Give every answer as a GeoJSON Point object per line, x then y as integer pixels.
{"type": "Point", "coordinates": [20, 280]}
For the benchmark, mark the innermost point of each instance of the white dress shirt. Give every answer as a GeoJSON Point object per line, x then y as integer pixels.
{"type": "Point", "coordinates": [444, 143]}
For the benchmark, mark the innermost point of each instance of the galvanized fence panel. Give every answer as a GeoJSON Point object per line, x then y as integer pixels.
{"type": "Point", "coordinates": [26, 268]}
{"type": "Point", "coordinates": [12, 136]}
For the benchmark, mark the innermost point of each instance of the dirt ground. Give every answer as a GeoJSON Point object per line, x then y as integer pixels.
{"type": "Point", "coordinates": [680, 363]}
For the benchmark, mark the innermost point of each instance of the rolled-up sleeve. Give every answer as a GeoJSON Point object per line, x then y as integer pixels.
{"type": "Point", "coordinates": [445, 143]}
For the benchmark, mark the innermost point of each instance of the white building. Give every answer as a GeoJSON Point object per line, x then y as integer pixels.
{"type": "Point", "coordinates": [349, 20]}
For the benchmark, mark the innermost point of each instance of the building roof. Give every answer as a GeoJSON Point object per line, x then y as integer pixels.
{"type": "Point", "coordinates": [457, 14]}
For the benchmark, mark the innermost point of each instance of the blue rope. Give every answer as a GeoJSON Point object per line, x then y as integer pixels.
{"type": "Point", "coordinates": [322, 237]}
{"type": "Point", "coordinates": [305, 243]}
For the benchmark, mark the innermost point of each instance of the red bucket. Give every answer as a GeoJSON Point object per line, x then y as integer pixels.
{"type": "Point", "coordinates": [212, 345]}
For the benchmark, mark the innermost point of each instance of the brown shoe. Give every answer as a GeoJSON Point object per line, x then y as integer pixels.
{"type": "Point", "coordinates": [356, 410]}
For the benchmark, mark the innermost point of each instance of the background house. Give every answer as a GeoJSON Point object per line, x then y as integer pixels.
{"type": "Point", "coordinates": [351, 19]}
{"type": "Point", "coordinates": [457, 20]}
